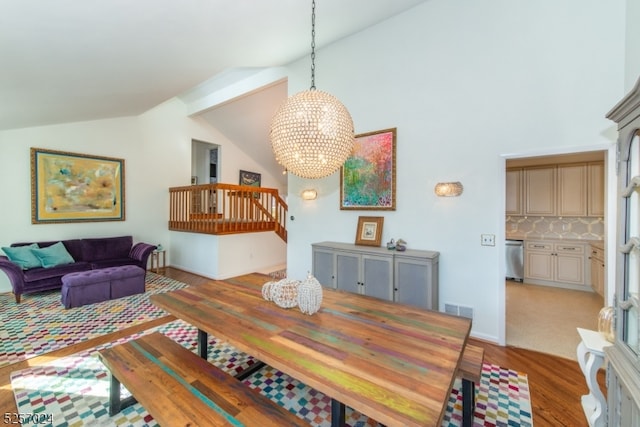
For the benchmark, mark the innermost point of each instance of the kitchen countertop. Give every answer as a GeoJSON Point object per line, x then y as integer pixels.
{"type": "Point", "coordinates": [530, 236]}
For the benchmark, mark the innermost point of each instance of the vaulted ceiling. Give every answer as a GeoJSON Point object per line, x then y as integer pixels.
{"type": "Point", "coordinates": [76, 60]}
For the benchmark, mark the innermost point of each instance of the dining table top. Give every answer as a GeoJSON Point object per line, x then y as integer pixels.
{"type": "Point", "coordinates": [392, 362]}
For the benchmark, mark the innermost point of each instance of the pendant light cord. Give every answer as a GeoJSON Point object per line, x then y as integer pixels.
{"type": "Point", "coordinates": [313, 45]}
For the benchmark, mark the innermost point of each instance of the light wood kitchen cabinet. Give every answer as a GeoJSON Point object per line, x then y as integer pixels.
{"type": "Point", "coordinates": [409, 277]}
{"type": "Point", "coordinates": [555, 264]}
{"type": "Point", "coordinates": [595, 201]}
{"type": "Point", "coordinates": [597, 269]}
{"type": "Point", "coordinates": [572, 189]}
{"type": "Point", "coordinates": [540, 191]}
{"type": "Point", "coordinates": [514, 191]}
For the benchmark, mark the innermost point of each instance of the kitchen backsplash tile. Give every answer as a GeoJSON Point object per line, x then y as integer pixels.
{"type": "Point", "coordinates": [551, 227]}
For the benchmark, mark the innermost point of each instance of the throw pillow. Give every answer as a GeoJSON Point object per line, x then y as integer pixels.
{"type": "Point", "coordinates": [53, 255]}
{"type": "Point", "coordinates": [23, 256]}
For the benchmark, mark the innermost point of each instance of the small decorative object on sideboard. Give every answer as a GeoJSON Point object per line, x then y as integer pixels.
{"type": "Point", "coordinates": [309, 295]}
{"type": "Point", "coordinates": [605, 323]}
{"type": "Point", "coordinates": [401, 245]}
{"type": "Point", "coordinates": [391, 245]}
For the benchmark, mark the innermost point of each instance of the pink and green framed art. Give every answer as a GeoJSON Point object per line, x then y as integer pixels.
{"type": "Point", "coordinates": [368, 177]}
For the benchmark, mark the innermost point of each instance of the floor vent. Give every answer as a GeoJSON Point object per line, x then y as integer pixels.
{"type": "Point", "coordinates": [459, 310]}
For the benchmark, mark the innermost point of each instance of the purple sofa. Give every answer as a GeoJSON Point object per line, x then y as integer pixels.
{"type": "Point", "coordinates": [88, 254]}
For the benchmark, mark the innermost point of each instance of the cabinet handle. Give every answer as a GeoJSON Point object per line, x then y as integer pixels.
{"type": "Point", "coordinates": [538, 246]}
{"type": "Point", "coordinates": [568, 249]}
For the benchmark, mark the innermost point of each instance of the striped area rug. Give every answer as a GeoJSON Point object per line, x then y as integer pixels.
{"type": "Point", "coordinates": [40, 323]}
{"type": "Point", "coordinates": [73, 391]}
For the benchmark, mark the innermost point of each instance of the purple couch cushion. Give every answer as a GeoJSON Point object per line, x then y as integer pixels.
{"type": "Point", "coordinates": [58, 271]}
{"type": "Point", "coordinates": [106, 248]}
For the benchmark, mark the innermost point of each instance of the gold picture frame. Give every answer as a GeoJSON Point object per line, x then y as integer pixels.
{"type": "Point", "coordinates": [73, 187]}
{"type": "Point", "coordinates": [369, 232]}
{"type": "Point", "coordinates": [368, 176]}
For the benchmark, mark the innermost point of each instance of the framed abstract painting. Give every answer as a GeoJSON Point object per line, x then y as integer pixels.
{"type": "Point", "coordinates": [72, 187]}
{"type": "Point", "coordinates": [368, 176]}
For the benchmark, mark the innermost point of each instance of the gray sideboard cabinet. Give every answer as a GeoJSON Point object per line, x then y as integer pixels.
{"type": "Point", "coordinates": [409, 277]}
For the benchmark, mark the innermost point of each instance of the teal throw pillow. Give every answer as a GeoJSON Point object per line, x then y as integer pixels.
{"type": "Point", "coordinates": [53, 255]}
{"type": "Point", "coordinates": [23, 256]}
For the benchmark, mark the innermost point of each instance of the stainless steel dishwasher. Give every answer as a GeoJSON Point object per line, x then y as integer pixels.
{"type": "Point", "coordinates": [514, 251]}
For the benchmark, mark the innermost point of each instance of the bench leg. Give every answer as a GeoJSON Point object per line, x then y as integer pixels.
{"type": "Point", "coordinates": [250, 370]}
{"type": "Point", "coordinates": [203, 344]}
{"type": "Point", "coordinates": [468, 402]}
{"type": "Point", "coordinates": [337, 414]}
{"type": "Point", "coordinates": [116, 404]}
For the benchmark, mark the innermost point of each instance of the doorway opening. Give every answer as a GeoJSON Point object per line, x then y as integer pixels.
{"type": "Point", "coordinates": [205, 162]}
{"type": "Point", "coordinates": [543, 315]}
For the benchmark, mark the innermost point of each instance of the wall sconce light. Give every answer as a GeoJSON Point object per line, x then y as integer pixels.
{"type": "Point", "coordinates": [448, 189]}
{"type": "Point", "coordinates": [309, 194]}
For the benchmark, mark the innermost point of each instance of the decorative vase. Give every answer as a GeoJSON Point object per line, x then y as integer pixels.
{"type": "Point", "coordinates": [605, 323]}
{"type": "Point", "coordinates": [266, 290]}
{"type": "Point", "coordinates": [309, 295]}
{"type": "Point", "coordinates": [285, 292]}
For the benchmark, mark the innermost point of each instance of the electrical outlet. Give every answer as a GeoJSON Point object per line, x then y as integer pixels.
{"type": "Point", "coordinates": [488, 239]}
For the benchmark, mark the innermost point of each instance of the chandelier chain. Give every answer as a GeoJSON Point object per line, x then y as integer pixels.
{"type": "Point", "coordinates": [313, 44]}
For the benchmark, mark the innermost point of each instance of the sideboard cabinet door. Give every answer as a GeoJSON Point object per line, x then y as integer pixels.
{"type": "Point", "coordinates": [416, 281]}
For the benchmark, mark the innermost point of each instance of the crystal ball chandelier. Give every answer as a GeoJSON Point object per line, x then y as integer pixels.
{"type": "Point", "coordinates": [312, 132]}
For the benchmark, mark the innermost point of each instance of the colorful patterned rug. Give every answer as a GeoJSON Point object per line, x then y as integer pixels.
{"type": "Point", "coordinates": [73, 391]}
{"type": "Point", "coordinates": [40, 323]}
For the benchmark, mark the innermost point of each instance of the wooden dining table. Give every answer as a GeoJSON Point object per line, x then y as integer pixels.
{"type": "Point", "coordinates": [392, 362]}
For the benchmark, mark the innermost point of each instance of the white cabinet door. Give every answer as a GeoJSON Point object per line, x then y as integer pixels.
{"type": "Point", "coordinates": [572, 189]}
{"type": "Point", "coordinates": [514, 192]}
{"type": "Point", "coordinates": [540, 191]}
{"type": "Point", "coordinates": [555, 264]}
{"type": "Point", "coordinates": [539, 265]}
{"type": "Point", "coordinates": [595, 197]}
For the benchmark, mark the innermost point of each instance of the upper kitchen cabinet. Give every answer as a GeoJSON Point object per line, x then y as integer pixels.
{"type": "Point", "coordinates": [514, 192]}
{"type": "Point", "coordinates": [540, 191]}
{"type": "Point", "coordinates": [572, 190]}
{"type": "Point", "coordinates": [595, 198]}
{"type": "Point", "coordinates": [556, 190]}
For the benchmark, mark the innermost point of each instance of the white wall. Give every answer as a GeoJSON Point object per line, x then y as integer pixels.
{"type": "Point", "coordinates": [465, 83]}
{"type": "Point", "coordinates": [632, 66]}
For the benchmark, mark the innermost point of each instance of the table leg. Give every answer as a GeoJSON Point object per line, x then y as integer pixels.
{"type": "Point", "coordinates": [337, 414]}
{"type": "Point", "coordinates": [116, 404]}
{"type": "Point", "coordinates": [594, 402]}
{"type": "Point", "coordinates": [203, 344]}
{"type": "Point", "coordinates": [468, 402]}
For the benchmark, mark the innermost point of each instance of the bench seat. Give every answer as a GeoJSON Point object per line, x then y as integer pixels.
{"type": "Point", "coordinates": [470, 370]}
{"type": "Point", "coordinates": [179, 388]}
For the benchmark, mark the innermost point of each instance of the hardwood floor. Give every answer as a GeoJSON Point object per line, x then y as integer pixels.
{"type": "Point", "coordinates": [556, 384]}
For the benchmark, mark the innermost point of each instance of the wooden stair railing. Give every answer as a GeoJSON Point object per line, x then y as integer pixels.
{"type": "Point", "coordinates": [227, 209]}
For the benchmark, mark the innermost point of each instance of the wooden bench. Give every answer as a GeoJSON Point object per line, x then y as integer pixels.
{"type": "Point", "coordinates": [177, 387]}
{"type": "Point", "coordinates": [470, 370]}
